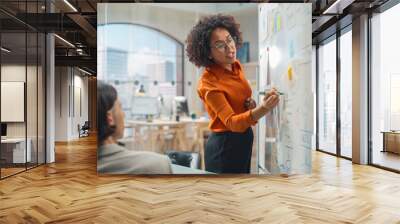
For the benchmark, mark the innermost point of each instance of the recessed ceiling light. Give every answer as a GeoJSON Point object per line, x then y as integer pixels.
{"type": "Point", "coordinates": [70, 5]}
{"type": "Point", "coordinates": [5, 50]}
{"type": "Point", "coordinates": [64, 40]}
{"type": "Point", "coordinates": [86, 72]}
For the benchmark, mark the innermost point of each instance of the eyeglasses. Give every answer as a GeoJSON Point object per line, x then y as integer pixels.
{"type": "Point", "coordinates": [223, 45]}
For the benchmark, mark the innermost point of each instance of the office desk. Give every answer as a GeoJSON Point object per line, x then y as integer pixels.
{"type": "Point", "coordinates": [161, 129]}
{"type": "Point", "coordinates": [13, 150]}
{"type": "Point", "coordinates": [391, 141]}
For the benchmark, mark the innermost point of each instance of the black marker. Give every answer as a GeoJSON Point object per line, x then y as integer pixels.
{"type": "Point", "coordinates": [263, 92]}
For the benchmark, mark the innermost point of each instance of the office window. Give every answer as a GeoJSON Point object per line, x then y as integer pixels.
{"type": "Point", "coordinates": [346, 94]}
{"type": "Point", "coordinates": [327, 96]}
{"type": "Point", "coordinates": [385, 87]}
{"type": "Point", "coordinates": [137, 58]}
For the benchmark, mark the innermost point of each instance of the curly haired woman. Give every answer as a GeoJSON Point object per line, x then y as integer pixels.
{"type": "Point", "coordinates": [226, 94]}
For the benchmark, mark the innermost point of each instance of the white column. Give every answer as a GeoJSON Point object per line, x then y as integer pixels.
{"type": "Point", "coordinates": [360, 90]}
{"type": "Point", "coordinates": [50, 92]}
{"type": "Point", "coordinates": [50, 101]}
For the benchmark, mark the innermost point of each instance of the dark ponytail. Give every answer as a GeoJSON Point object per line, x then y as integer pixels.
{"type": "Point", "coordinates": [106, 97]}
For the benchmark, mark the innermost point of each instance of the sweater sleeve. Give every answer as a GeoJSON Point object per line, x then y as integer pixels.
{"type": "Point", "coordinates": [220, 105]}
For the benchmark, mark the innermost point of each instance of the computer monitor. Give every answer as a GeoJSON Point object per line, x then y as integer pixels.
{"type": "Point", "coordinates": [144, 105]}
{"type": "Point", "coordinates": [181, 105]}
{"type": "Point", "coordinates": [3, 129]}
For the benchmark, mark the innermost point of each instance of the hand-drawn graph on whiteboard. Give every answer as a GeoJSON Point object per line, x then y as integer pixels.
{"type": "Point", "coordinates": [285, 63]}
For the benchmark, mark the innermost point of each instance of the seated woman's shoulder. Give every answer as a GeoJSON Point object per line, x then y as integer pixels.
{"type": "Point", "coordinates": [154, 162]}
{"type": "Point", "coordinates": [125, 161]}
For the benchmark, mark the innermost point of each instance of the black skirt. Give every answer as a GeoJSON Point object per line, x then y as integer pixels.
{"type": "Point", "coordinates": [229, 152]}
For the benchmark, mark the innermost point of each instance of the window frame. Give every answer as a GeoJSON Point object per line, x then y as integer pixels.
{"type": "Point", "coordinates": [334, 37]}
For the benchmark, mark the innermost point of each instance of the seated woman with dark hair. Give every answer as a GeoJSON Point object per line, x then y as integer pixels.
{"type": "Point", "coordinates": [112, 158]}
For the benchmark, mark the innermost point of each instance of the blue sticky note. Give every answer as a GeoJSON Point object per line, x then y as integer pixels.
{"type": "Point", "coordinates": [291, 49]}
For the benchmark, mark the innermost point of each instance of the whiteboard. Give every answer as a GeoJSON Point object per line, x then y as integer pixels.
{"type": "Point", "coordinates": [285, 63]}
{"type": "Point", "coordinates": [12, 101]}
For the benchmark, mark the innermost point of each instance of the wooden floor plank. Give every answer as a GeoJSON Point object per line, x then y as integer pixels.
{"type": "Point", "coordinates": [69, 191]}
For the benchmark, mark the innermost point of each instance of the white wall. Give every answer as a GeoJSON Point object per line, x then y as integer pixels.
{"type": "Point", "coordinates": [248, 20]}
{"type": "Point", "coordinates": [68, 81]}
{"type": "Point", "coordinates": [61, 104]}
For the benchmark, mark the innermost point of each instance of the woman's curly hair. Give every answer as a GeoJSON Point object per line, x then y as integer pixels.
{"type": "Point", "coordinates": [198, 41]}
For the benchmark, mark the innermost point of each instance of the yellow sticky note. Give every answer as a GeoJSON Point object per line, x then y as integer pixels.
{"type": "Point", "coordinates": [290, 73]}
{"type": "Point", "coordinates": [278, 23]}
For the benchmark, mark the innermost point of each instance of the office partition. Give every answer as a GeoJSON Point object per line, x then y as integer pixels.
{"type": "Point", "coordinates": [22, 66]}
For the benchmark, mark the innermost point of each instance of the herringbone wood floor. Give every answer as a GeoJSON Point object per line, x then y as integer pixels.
{"type": "Point", "coordinates": [70, 191]}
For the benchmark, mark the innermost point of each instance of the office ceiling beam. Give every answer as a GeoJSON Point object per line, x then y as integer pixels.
{"type": "Point", "coordinates": [329, 18]}
{"type": "Point", "coordinates": [83, 61]}
{"type": "Point", "coordinates": [319, 23]}
{"type": "Point", "coordinates": [331, 30]}
{"type": "Point", "coordinates": [4, 14]}
{"type": "Point", "coordinates": [337, 7]}
{"type": "Point", "coordinates": [83, 23]}
{"type": "Point", "coordinates": [49, 22]}
{"type": "Point", "coordinates": [86, 27]}
{"type": "Point", "coordinates": [91, 5]}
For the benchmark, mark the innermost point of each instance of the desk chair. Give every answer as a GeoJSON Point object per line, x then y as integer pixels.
{"type": "Point", "coordinates": [84, 130]}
